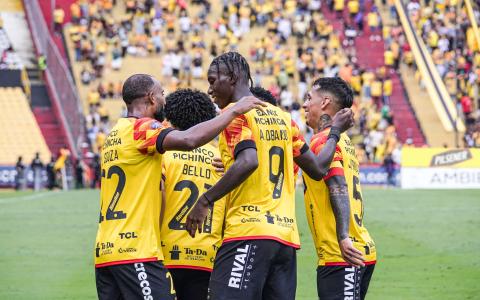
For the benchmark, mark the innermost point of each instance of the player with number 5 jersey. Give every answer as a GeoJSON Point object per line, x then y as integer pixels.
{"type": "Point", "coordinates": [128, 254]}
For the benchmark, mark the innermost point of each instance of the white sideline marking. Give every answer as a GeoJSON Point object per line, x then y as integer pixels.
{"type": "Point", "coordinates": [29, 197]}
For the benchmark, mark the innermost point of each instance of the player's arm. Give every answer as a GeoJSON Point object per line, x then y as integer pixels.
{"type": "Point", "coordinates": [203, 133]}
{"type": "Point", "coordinates": [317, 166]}
{"type": "Point", "coordinates": [246, 162]}
{"type": "Point", "coordinates": [338, 194]}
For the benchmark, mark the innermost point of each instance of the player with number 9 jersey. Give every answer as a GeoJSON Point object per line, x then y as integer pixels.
{"type": "Point", "coordinates": [251, 213]}
{"type": "Point", "coordinates": [320, 215]}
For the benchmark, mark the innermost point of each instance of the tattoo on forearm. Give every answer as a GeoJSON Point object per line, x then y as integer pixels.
{"type": "Point", "coordinates": [324, 122]}
{"type": "Point", "coordinates": [341, 208]}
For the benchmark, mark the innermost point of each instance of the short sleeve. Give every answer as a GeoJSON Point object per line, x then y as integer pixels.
{"type": "Point", "coordinates": [148, 135]}
{"type": "Point", "coordinates": [239, 136]}
{"type": "Point", "coordinates": [298, 142]}
{"type": "Point", "coordinates": [336, 167]}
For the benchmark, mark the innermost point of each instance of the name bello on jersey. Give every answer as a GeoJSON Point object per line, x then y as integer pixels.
{"type": "Point", "coordinates": [191, 158]}
{"type": "Point", "coordinates": [112, 140]}
{"type": "Point", "coordinates": [270, 117]}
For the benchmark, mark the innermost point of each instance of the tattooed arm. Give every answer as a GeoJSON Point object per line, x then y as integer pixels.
{"type": "Point", "coordinates": [339, 200]}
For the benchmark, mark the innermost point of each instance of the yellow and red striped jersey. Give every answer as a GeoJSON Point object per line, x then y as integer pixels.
{"type": "Point", "coordinates": [129, 228]}
{"type": "Point", "coordinates": [263, 206]}
{"type": "Point", "coordinates": [319, 210]}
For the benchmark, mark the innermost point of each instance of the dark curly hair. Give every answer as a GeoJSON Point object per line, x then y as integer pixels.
{"type": "Point", "coordinates": [263, 95]}
{"type": "Point", "coordinates": [338, 87]}
{"type": "Point", "coordinates": [185, 108]}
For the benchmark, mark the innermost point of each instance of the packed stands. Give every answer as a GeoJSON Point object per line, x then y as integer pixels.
{"type": "Point", "coordinates": [288, 45]}
{"type": "Point", "coordinates": [19, 131]}
{"type": "Point", "coordinates": [447, 31]}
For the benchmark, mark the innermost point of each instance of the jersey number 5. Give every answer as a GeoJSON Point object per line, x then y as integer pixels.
{"type": "Point", "coordinates": [113, 214]}
{"type": "Point", "coordinates": [357, 196]}
{"type": "Point", "coordinates": [175, 223]}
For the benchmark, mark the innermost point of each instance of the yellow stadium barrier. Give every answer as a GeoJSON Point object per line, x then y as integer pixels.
{"type": "Point", "coordinates": [441, 100]}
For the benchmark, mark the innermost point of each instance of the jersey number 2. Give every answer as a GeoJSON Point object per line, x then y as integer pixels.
{"type": "Point", "coordinates": [175, 223]}
{"type": "Point", "coordinates": [113, 214]}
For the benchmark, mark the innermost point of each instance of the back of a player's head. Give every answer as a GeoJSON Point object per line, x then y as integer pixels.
{"type": "Point", "coordinates": [234, 65]}
{"type": "Point", "coordinates": [338, 88]}
{"type": "Point", "coordinates": [263, 95]}
{"type": "Point", "coordinates": [137, 86]}
{"type": "Point", "coordinates": [185, 108]}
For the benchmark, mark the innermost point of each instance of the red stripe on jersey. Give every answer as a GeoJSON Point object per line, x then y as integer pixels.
{"type": "Point", "coordinates": [139, 135]}
{"type": "Point", "coordinates": [233, 132]}
{"type": "Point", "coordinates": [330, 264]}
{"type": "Point", "coordinates": [261, 237]}
{"type": "Point", "coordinates": [334, 172]}
{"type": "Point", "coordinates": [128, 261]}
{"type": "Point", "coordinates": [188, 267]}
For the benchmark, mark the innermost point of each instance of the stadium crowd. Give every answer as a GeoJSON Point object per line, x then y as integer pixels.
{"type": "Point", "coordinates": [445, 27]}
{"type": "Point", "coordinates": [289, 43]}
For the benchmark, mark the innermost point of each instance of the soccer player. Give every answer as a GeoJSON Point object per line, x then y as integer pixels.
{"type": "Point", "coordinates": [186, 176]}
{"type": "Point", "coordinates": [128, 254]}
{"type": "Point", "coordinates": [264, 95]}
{"type": "Point", "coordinates": [346, 252]}
{"type": "Point", "coordinates": [257, 259]}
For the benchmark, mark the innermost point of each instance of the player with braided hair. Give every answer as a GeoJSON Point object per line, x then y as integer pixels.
{"type": "Point", "coordinates": [257, 259]}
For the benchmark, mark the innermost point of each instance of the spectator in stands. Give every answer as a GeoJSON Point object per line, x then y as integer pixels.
{"type": "Point", "coordinates": [37, 167]}
{"type": "Point", "coordinates": [20, 180]}
{"type": "Point", "coordinates": [58, 19]}
{"type": "Point", "coordinates": [51, 174]}
{"type": "Point", "coordinates": [42, 64]}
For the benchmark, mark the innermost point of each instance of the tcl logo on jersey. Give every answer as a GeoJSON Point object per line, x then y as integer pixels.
{"type": "Point", "coordinates": [251, 208]}
{"type": "Point", "coordinates": [236, 275]}
{"type": "Point", "coordinates": [128, 235]}
{"type": "Point", "coordinates": [144, 284]}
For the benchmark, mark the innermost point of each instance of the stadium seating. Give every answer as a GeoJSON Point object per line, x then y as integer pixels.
{"type": "Point", "coordinates": [19, 131]}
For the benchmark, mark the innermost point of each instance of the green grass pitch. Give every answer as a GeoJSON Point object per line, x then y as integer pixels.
{"type": "Point", "coordinates": [428, 244]}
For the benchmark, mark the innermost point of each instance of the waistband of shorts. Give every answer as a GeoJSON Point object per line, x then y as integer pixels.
{"type": "Point", "coordinates": [124, 262]}
{"type": "Point", "coordinates": [342, 263]}
{"type": "Point", "coordinates": [189, 267]}
{"type": "Point", "coordinates": [262, 237]}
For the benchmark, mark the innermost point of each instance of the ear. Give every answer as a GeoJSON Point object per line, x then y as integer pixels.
{"type": "Point", "coordinates": [151, 98]}
{"type": "Point", "coordinates": [326, 102]}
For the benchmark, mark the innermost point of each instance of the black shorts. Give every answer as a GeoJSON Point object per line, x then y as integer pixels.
{"type": "Point", "coordinates": [254, 269]}
{"type": "Point", "coordinates": [190, 284]}
{"type": "Point", "coordinates": [143, 281]}
{"type": "Point", "coordinates": [343, 282]}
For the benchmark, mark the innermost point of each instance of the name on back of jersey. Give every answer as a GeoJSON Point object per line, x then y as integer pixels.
{"type": "Point", "coordinates": [111, 155]}
{"type": "Point", "coordinates": [270, 117]}
{"type": "Point", "coordinates": [199, 155]}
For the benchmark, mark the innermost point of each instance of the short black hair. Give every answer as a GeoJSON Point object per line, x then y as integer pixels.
{"type": "Point", "coordinates": [236, 65]}
{"type": "Point", "coordinates": [185, 108]}
{"type": "Point", "coordinates": [137, 86]}
{"type": "Point", "coordinates": [338, 88]}
{"type": "Point", "coordinates": [263, 95]}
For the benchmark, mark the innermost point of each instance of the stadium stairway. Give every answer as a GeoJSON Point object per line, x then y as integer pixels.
{"type": "Point", "coordinates": [370, 55]}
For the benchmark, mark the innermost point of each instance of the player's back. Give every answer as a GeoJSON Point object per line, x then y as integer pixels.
{"type": "Point", "coordinates": [319, 210]}
{"type": "Point", "coordinates": [130, 196]}
{"type": "Point", "coordinates": [187, 175]}
{"type": "Point", "coordinates": [263, 206]}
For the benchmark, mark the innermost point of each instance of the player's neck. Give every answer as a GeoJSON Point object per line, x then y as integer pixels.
{"type": "Point", "coordinates": [241, 92]}
{"type": "Point", "coordinates": [136, 112]}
